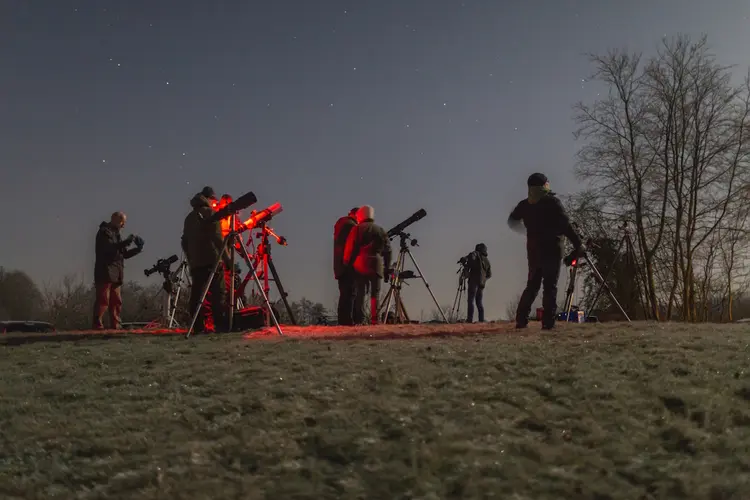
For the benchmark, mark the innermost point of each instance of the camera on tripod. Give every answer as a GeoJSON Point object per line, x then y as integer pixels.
{"type": "Point", "coordinates": [162, 266]}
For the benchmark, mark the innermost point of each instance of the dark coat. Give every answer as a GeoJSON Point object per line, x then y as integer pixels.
{"type": "Point", "coordinates": [111, 252]}
{"type": "Point", "coordinates": [202, 239]}
{"type": "Point", "coordinates": [368, 249]}
{"type": "Point", "coordinates": [479, 266]}
{"type": "Point", "coordinates": [546, 223]}
{"type": "Point", "coordinates": [341, 231]}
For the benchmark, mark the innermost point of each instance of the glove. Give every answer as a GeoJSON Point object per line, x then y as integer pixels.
{"type": "Point", "coordinates": [138, 242]}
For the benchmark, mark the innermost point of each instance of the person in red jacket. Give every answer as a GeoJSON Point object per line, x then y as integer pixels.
{"type": "Point", "coordinates": [368, 254]}
{"type": "Point", "coordinates": [343, 275]}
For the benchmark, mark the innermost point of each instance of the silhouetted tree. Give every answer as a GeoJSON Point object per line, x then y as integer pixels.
{"type": "Point", "coordinates": [20, 298]}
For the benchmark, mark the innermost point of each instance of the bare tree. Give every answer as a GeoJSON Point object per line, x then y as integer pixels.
{"type": "Point", "coordinates": [69, 304]}
{"type": "Point", "coordinates": [20, 298]}
{"type": "Point", "coordinates": [667, 149]}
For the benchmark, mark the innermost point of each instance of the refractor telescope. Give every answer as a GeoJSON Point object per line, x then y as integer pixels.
{"type": "Point", "coordinates": [240, 203]}
{"type": "Point", "coordinates": [161, 266]}
{"type": "Point", "coordinates": [399, 228]}
{"type": "Point", "coordinates": [261, 217]}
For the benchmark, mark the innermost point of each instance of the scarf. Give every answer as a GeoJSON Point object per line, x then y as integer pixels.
{"type": "Point", "coordinates": [536, 193]}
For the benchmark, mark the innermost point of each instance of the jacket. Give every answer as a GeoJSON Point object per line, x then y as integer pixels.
{"type": "Point", "coordinates": [479, 266]}
{"type": "Point", "coordinates": [341, 231]}
{"type": "Point", "coordinates": [110, 250]}
{"type": "Point", "coordinates": [368, 249]}
{"type": "Point", "coordinates": [546, 223]}
{"type": "Point", "coordinates": [202, 239]}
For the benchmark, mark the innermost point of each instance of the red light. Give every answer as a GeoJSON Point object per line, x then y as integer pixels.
{"type": "Point", "coordinates": [573, 264]}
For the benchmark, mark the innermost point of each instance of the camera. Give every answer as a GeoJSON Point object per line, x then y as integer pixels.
{"type": "Point", "coordinates": [161, 266]}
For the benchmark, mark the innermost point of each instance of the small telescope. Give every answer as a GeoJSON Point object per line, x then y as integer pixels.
{"type": "Point", "coordinates": [399, 228]}
{"type": "Point", "coordinates": [262, 216]}
{"type": "Point", "coordinates": [240, 203]}
{"type": "Point", "coordinates": [161, 266]}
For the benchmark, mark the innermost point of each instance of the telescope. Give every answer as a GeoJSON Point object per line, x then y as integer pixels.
{"type": "Point", "coordinates": [240, 203]}
{"type": "Point", "coordinates": [161, 266]}
{"type": "Point", "coordinates": [261, 217]}
{"type": "Point", "coordinates": [399, 228]}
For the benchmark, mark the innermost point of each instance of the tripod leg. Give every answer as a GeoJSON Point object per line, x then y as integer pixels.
{"type": "Point", "coordinates": [206, 289]}
{"type": "Point", "coordinates": [263, 292]}
{"type": "Point", "coordinates": [395, 283]}
{"type": "Point", "coordinates": [280, 287]}
{"type": "Point", "coordinates": [427, 285]}
{"type": "Point", "coordinates": [573, 277]}
{"type": "Point", "coordinates": [606, 278]}
{"type": "Point", "coordinates": [402, 314]}
{"type": "Point", "coordinates": [598, 276]}
{"type": "Point", "coordinates": [386, 302]}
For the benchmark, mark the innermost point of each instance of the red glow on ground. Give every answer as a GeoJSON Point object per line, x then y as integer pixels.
{"type": "Point", "coordinates": [375, 332]}
{"type": "Point", "coordinates": [369, 332]}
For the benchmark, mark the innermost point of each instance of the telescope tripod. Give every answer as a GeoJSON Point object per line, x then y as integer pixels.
{"type": "Point", "coordinates": [627, 242]}
{"type": "Point", "coordinates": [460, 290]}
{"type": "Point", "coordinates": [172, 288]}
{"type": "Point", "coordinates": [233, 243]}
{"type": "Point", "coordinates": [398, 278]}
{"type": "Point", "coordinates": [262, 259]}
{"type": "Point", "coordinates": [601, 281]}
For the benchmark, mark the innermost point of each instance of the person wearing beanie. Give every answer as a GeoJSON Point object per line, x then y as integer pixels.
{"type": "Point", "coordinates": [479, 271]}
{"type": "Point", "coordinates": [368, 254]}
{"type": "Point", "coordinates": [342, 273]}
{"type": "Point", "coordinates": [543, 217]}
{"type": "Point", "coordinates": [203, 243]}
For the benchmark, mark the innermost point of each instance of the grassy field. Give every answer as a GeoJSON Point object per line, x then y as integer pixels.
{"type": "Point", "coordinates": [589, 412]}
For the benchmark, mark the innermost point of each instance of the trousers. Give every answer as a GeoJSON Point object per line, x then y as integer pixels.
{"type": "Point", "coordinates": [216, 298]}
{"type": "Point", "coordinates": [108, 297]}
{"type": "Point", "coordinates": [475, 294]}
{"type": "Point", "coordinates": [544, 271]}
{"type": "Point", "coordinates": [361, 285]}
{"type": "Point", "coordinates": [347, 292]}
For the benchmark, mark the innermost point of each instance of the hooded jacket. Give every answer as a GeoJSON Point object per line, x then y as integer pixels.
{"type": "Point", "coordinates": [546, 222]}
{"type": "Point", "coordinates": [479, 266]}
{"type": "Point", "coordinates": [202, 239]}
{"type": "Point", "coordinates": [368, 249]}
{"type": "Point", "coordinates": [111, 253]}
{"type": "Point", "coordinates": [341, 231]}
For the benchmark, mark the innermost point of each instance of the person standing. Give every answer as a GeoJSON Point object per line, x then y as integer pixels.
{"type": "Point", "coordinates": [546, 222]}
{"type": "Point", "coordinates": [203, 244]}
{"type": "Point", "coordinates": [109, 269]}
{"type": "Point", "coordinates": [368, 254]}
{"type": "Point", "coordinates": [480, 271]}
{"type": "Point", "coordinates": [342, 273]}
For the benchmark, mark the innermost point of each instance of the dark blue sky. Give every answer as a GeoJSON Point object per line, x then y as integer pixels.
{"type": "Point", "coordinates": [321, 105]}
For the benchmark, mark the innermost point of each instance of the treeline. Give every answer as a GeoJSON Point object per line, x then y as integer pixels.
{"type": "Point", "coordinates": [666, 149]}
{"type": "Point", "coordinates": [69, 304]}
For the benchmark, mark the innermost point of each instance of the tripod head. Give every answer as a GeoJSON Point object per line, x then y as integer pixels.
{"type": "Point", "coordinates": [172, 280]}
{"type": "Point", "coordinates": [405, 238]}
{"type": "Point", "coordinates": [266, 231]}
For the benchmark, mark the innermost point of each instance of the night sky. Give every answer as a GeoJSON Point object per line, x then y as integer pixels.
{"type": "Point", "coordinates": [322, 105]}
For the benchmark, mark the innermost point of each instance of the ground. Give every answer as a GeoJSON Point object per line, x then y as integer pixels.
{"type": "Point", "coordinates": [590, 412]}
